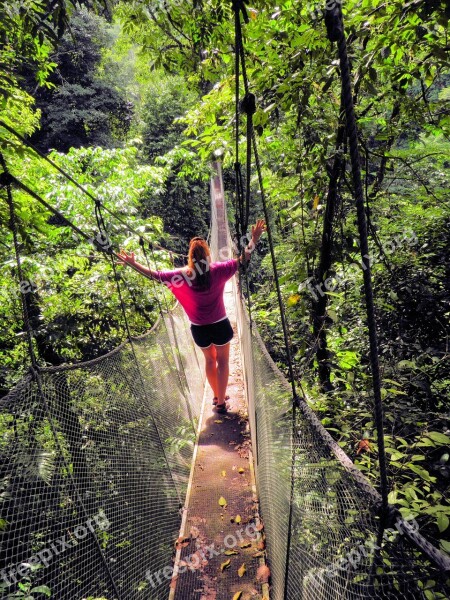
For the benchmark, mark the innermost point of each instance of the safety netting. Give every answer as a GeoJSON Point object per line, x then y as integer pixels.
{"type": "Point", "coordinates": [95, 463]}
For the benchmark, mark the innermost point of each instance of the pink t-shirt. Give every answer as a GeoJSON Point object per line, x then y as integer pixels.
{"type": "Point", "coordinates": [202, 307]}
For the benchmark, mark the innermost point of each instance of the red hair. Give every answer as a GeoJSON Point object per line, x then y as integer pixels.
{"type": "Point", "coordinates": [198, 262]}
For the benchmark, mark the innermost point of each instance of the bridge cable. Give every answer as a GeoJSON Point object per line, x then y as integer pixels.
{"type": "Point", "coordinates": [335, 30]}
{"type": "Point", "coordinates": [7, 178]}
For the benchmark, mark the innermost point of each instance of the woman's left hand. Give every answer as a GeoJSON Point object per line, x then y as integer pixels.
{"type": "Point", "coordinates": [127, 258]}
{"type": "Point", "coordinates": [258, 229]}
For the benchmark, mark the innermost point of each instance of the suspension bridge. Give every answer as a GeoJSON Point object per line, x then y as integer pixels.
{"type": "Point", "coordinates": [119, 482]}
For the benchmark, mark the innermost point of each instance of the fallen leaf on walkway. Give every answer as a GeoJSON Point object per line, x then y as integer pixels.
{"type": "Point", "coordinates": [182, 542]}
{"type": "Point", "coordinates": [222, 502]}
{"type": "Point", "coordinates": [218, 421]}
{"type": "Point", "coordinates": [261, 545]}
{"type": "Point", "coordinates": [237, 519]}
{"type": "Point", "coordinates": [258, 554]}
{"type": "Point", "coordinates": [263, 574]}
{"type": "Point", "coordinates": [241, 470]}
{"type": "Point", "coordinates": [230, 552]}
{"type": "Point", "coordinates": [242, 570]}
{"type": "Point", "coordinates": [245, 545]}
{"type": "Point", "coordinates": [224, 473]}
{"type": "Point", "coordinates": [237, 596]}
{"type": "Point", "coordinates": [260, 526]}
{"type": "Point", "coordinates": [225, 565]}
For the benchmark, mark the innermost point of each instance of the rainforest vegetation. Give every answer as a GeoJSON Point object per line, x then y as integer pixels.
{"type": "Point", "coordinates": [134, 98]}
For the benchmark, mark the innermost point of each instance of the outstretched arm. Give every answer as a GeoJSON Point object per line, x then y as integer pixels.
{"type": "Point", "coordinates": [128, 258]}
{"type": "Point", "coordinates": [257, 230]}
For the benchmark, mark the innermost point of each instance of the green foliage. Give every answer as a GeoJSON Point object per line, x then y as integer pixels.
{"type": "Point", "coordinates": [28, 32]}
{"type": "Point", "coordinates": [82, 107]}
{"type": "Point", "coordinates": [166, 99]}
{"type": "Point", "coordinates": [75, 307]}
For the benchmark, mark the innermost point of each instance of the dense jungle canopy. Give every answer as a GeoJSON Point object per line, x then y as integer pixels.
{"type": "Point", "coordinates": [133, 99]}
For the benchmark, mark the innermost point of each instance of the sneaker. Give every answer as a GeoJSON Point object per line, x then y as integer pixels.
{"type": "Point", "coordinates": [216, 400]}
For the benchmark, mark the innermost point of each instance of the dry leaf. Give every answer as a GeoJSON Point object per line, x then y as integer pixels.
{"type": "Point", "coordinates": [237, 596]}
{"type": "Point", "coordinates": [258, 554]}
{"type": "Point", "coordinates": [261, 545]}
{"type": "Point", "coordinates": [237, 519]}
{"type": "Point", "coordinates": [225, 565]}
{"type": "Point", "coordinates": [259, 527]}
{"type": "Point", "coordinates": [241, 470]}
{"type": "Point", "coordinates": [222, 502]}
{"type": "Point", "coordinates": [230, 552]}
{"type": "Point", "coordinates": [245, 545]}
{"type": "Point", "coordinates": [263, 574]}
{"type": "Point", "coordinates": [242, 570]}
{"type": "Point", "coordinates": [218, 421]}
{"type": "Point", "coordinates": [224, 473]}
{"type": "Point", "coordinates": [182, 542]}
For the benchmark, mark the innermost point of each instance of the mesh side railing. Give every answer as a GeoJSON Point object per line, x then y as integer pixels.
{"type": "Point", "coordinates": [94, 467]}
{"type": "Point", "coordinates": [320, 514]}
{"type": "Point", "coordinates": [333, 550]}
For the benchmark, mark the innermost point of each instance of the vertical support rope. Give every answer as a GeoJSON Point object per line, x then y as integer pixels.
{"type": "Point", "coordinates": [335, 28]}
{"type": "Point", "coordinates": [13, 227]}
{"type": "Point", "coordinates": [34, 369]}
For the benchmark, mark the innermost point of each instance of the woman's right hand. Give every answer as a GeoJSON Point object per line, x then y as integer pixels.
{"type": "Point", "coordinates": [126, 258]}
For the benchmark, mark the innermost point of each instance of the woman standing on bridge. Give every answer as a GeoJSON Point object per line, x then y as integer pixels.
{"type": "Point", "coordinates": [199, 288]}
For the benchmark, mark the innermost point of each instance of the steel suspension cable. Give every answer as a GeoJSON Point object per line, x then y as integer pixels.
{"type": "Point", "coordinates": [250, 107]}
{"type": "Point", "coordinates": [7, 178]}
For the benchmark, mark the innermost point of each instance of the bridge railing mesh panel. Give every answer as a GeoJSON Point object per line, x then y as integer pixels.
{"type": "Point", "coordinates": [311, 494]}
{"type": "Point", "coordinates": [100, 456]}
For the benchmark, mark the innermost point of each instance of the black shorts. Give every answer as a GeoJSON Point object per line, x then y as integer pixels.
{"type": "Point", "coordinates": [219, 334]}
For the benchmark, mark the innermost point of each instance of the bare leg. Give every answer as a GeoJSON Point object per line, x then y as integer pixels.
{"type": "Point", "coordinates": [211, 368]}
{"type": "Point", "coordinates": [223, 370]}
